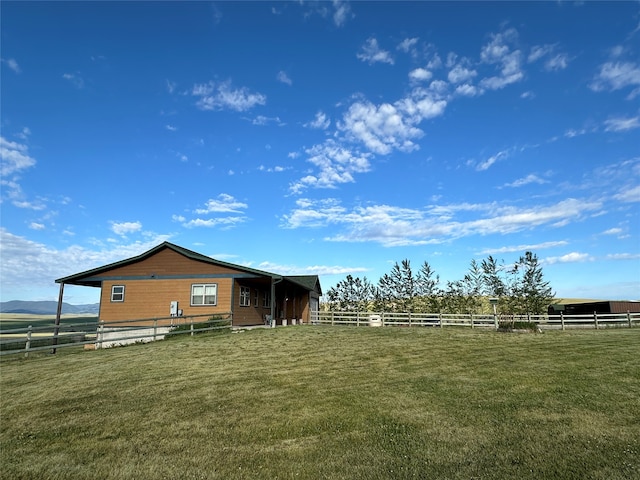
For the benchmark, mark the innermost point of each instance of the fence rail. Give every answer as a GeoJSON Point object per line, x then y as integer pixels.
{"type": "Point", "coordinates": [543, 322]}
{"type": "Point", "coordinates": [42, 336]}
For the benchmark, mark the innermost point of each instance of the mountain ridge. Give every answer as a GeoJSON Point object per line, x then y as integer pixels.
{"type": "Point", "coordinates": [46, 307]}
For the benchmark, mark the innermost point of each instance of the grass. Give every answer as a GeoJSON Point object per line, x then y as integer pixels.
{"type": "Point", "coordinates": [331, 403]}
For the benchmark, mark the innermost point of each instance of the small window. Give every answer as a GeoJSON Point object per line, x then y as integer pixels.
{"type": "Point", "coordinates": [204, 294]}
{"type": "Point", "coordinates": [256, 295]}
{"type": "Point", "coordinates": [117, 293]}
{"type": "Point", "coordinates": [245, 296]}
{"type": "Point", "coordinates": [266, 300]}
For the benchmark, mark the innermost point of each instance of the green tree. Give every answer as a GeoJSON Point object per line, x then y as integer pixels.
{"type": "Point", "coordinates": [351, 294]}
{"type": "Point", "coordinates": [530, 292]}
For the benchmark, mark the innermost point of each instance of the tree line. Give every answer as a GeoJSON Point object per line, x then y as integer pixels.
{"type": "Point", "coordinates": [519, 288]}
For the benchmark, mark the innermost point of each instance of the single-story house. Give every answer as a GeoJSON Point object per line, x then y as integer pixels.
{"type": "Point", "coordinates": [171, 281]}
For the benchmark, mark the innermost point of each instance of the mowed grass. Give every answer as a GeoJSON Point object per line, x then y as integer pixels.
{"type": "Point", "coordinates": [330, 403]}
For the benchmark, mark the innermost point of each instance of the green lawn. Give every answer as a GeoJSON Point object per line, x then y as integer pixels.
{"type": "Point", "coordinates": [329, 403]}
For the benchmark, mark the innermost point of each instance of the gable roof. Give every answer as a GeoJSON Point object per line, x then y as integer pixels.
{"type": "Point", "coordinates": [309, 282]}
{"type": "Point", "coordinates": [87, 278]}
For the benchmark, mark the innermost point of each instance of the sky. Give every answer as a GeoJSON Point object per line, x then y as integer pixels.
{"type": "Point", "coordinates": [327, 138]}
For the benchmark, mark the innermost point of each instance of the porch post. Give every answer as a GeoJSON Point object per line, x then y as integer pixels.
{"type": "Point", "coordinates": [273, 300]}
{"type": "Point", "coordinates": [56, 327]}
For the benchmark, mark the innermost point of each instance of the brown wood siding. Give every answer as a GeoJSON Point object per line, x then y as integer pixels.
{"type": "Point", "coordinates": [151, 298]}
{"type": "Point", "coordinates": [168, 262]}
{"type": "Point", "coordinates": [250, 315]}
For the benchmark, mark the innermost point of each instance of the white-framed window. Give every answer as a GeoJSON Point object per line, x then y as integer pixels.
{"type": "Point", "coordinates": [266, 300]}
{"type": "Point", "coordinates": [245, 296]}
{"type": "Point", "coordinates": [117, 293]}
{"type": "Point", "coordinates": [256, 297]}
{"type": "Point", "coordinates": [204, 294]}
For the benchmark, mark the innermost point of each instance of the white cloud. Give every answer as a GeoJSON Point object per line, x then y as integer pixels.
{"type": "Point", "coordinates": [215, 222]}
{"type": "Point", "coordinates": [75, 79]}
{"type": "Point", "coordinates": [372, 53]}
{"type": "Point", "coordinates": [621, 124]}
{"type": "Point", "coordinates": [623, 256]}
{"type": "Point", "coordinates": [408, 44]}
{"type": "Point", "coordinates": [572, 257]}
{"type": "Point", "coordinates": [613, 231]}
{"type": "Point", "coordinates": [12, 64]}
{"type": "Point", "coordinates": [615, 76]}
{"type": "Point", "coordinates": [395, 226]}
{"type": "Point", "coordinates": [381, 128]}
{"type": "Point", "coordinates": [26, 265]}
{"type": "Point", "coordinates": [14, 157]}
{"type": "Point", "coordinates": [531, 178]}
{"type": "Point", "coordinates": [124, 228]}
{"type": "Point", "coordinates": [341, 12]}
{"type": "Point", "coordinates": [629, 195]}
{"type": "Point", "coordinates": [499, 52]}
{"type": "Point", "coordinates": [321, 121]}
{"type": "Point", "coordinates": [539, 51]}
{"type": "Point", "coordinates": [336, 165]}
{"type": "Point", "coordinates": [171, 128]}
{"type": "Point", "coordinates": [171, 86]}
{"type": "Point", "coordinates": [262, 120]}
{"type": "Point", "coordinates": [284, 78]}
{"type": "Point", "coordinates": [524, 248]}
{"type": "Point", "coordinates": [467, 90]}
{"type": "Point", "coordinates": [420, 75]}
{"type": "Point", "coordinates": [36, 226]}
{"type": "Point", "coordinates": [559, 61]}
{"type": "Point", "coordinates": [486, 164]}
{"type": "Point", "coordinates": [460, 74]}
{"type": "Point", "coordinates": [223, 96]}
{"type": "Point", "coordinates": [309, 270]}
{"type": "Point", "coordinates": [224, 203]}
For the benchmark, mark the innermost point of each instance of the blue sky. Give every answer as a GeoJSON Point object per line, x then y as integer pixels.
{"type": "Point", "coordinates": [327, 138]}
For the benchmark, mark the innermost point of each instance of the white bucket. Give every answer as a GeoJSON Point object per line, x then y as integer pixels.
{"type": "Point", "coordinates": [375, 321]}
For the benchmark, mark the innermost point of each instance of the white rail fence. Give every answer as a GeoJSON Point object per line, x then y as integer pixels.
{"type": "Point", "coordinates": [543, 322]}
{"type": "Point", "coordinates": [48, 336]}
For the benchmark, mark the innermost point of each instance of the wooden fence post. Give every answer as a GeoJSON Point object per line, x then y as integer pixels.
{"type": "Point", "coordinates": [155, 328]}
{"type": "Point", "coordinates": [440, 319]}
{"type": "Point", "coordinates": [409, 318]}
{"type": "Point", "coordinates": [595, 319]}
{"type": "Point", "coordinates": [332, 320]}
{"type": "Point", "coordinates": [27, 345]}
{"type": "Point", "coordinates": [629, 318]}
{"type": "Point", "coordinates": [562, 319]}
{"type": "Point", "coordinates": [191, 328]}
{"type": "Point", "coordinates": [471, 318]}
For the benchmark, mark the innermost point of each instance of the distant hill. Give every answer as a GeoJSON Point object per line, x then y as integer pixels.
{"type": "Point", "coordinates": [46, 307]}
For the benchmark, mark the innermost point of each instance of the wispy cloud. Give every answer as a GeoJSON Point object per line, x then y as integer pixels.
{"type": "Point", "coordinates": [621, 124]}
{"type": "Point", "coordinates": [572, 257]}
{"type": "Point", "coordinates": [531, 178]}
{"type": "Point", "coordinates": [341, 12]}
{"type": "Point", "coordinates": [524, 248]}
{"type": "Point", "coordinates": [394, 226]}
{"type": "Point", "coordinates": [629, 195]}
{"type": "Point", "coordinates": [12, 64]}
{"type": "Point", "coordinates": [75, 79]}
{"type": "Point", "coordinates": [372, 53]}
{"type": "Point", "coordinates": [222, 96]}
{"type": "Point", "coordinates": [223, 203]}
{"type": "Point", "coordinates": [617, 75]}
{"type": "Point", "coordinates": [282, 77]}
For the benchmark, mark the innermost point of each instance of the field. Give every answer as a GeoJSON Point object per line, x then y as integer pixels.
{"type": "Point", "coordinates": [329, 403]}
